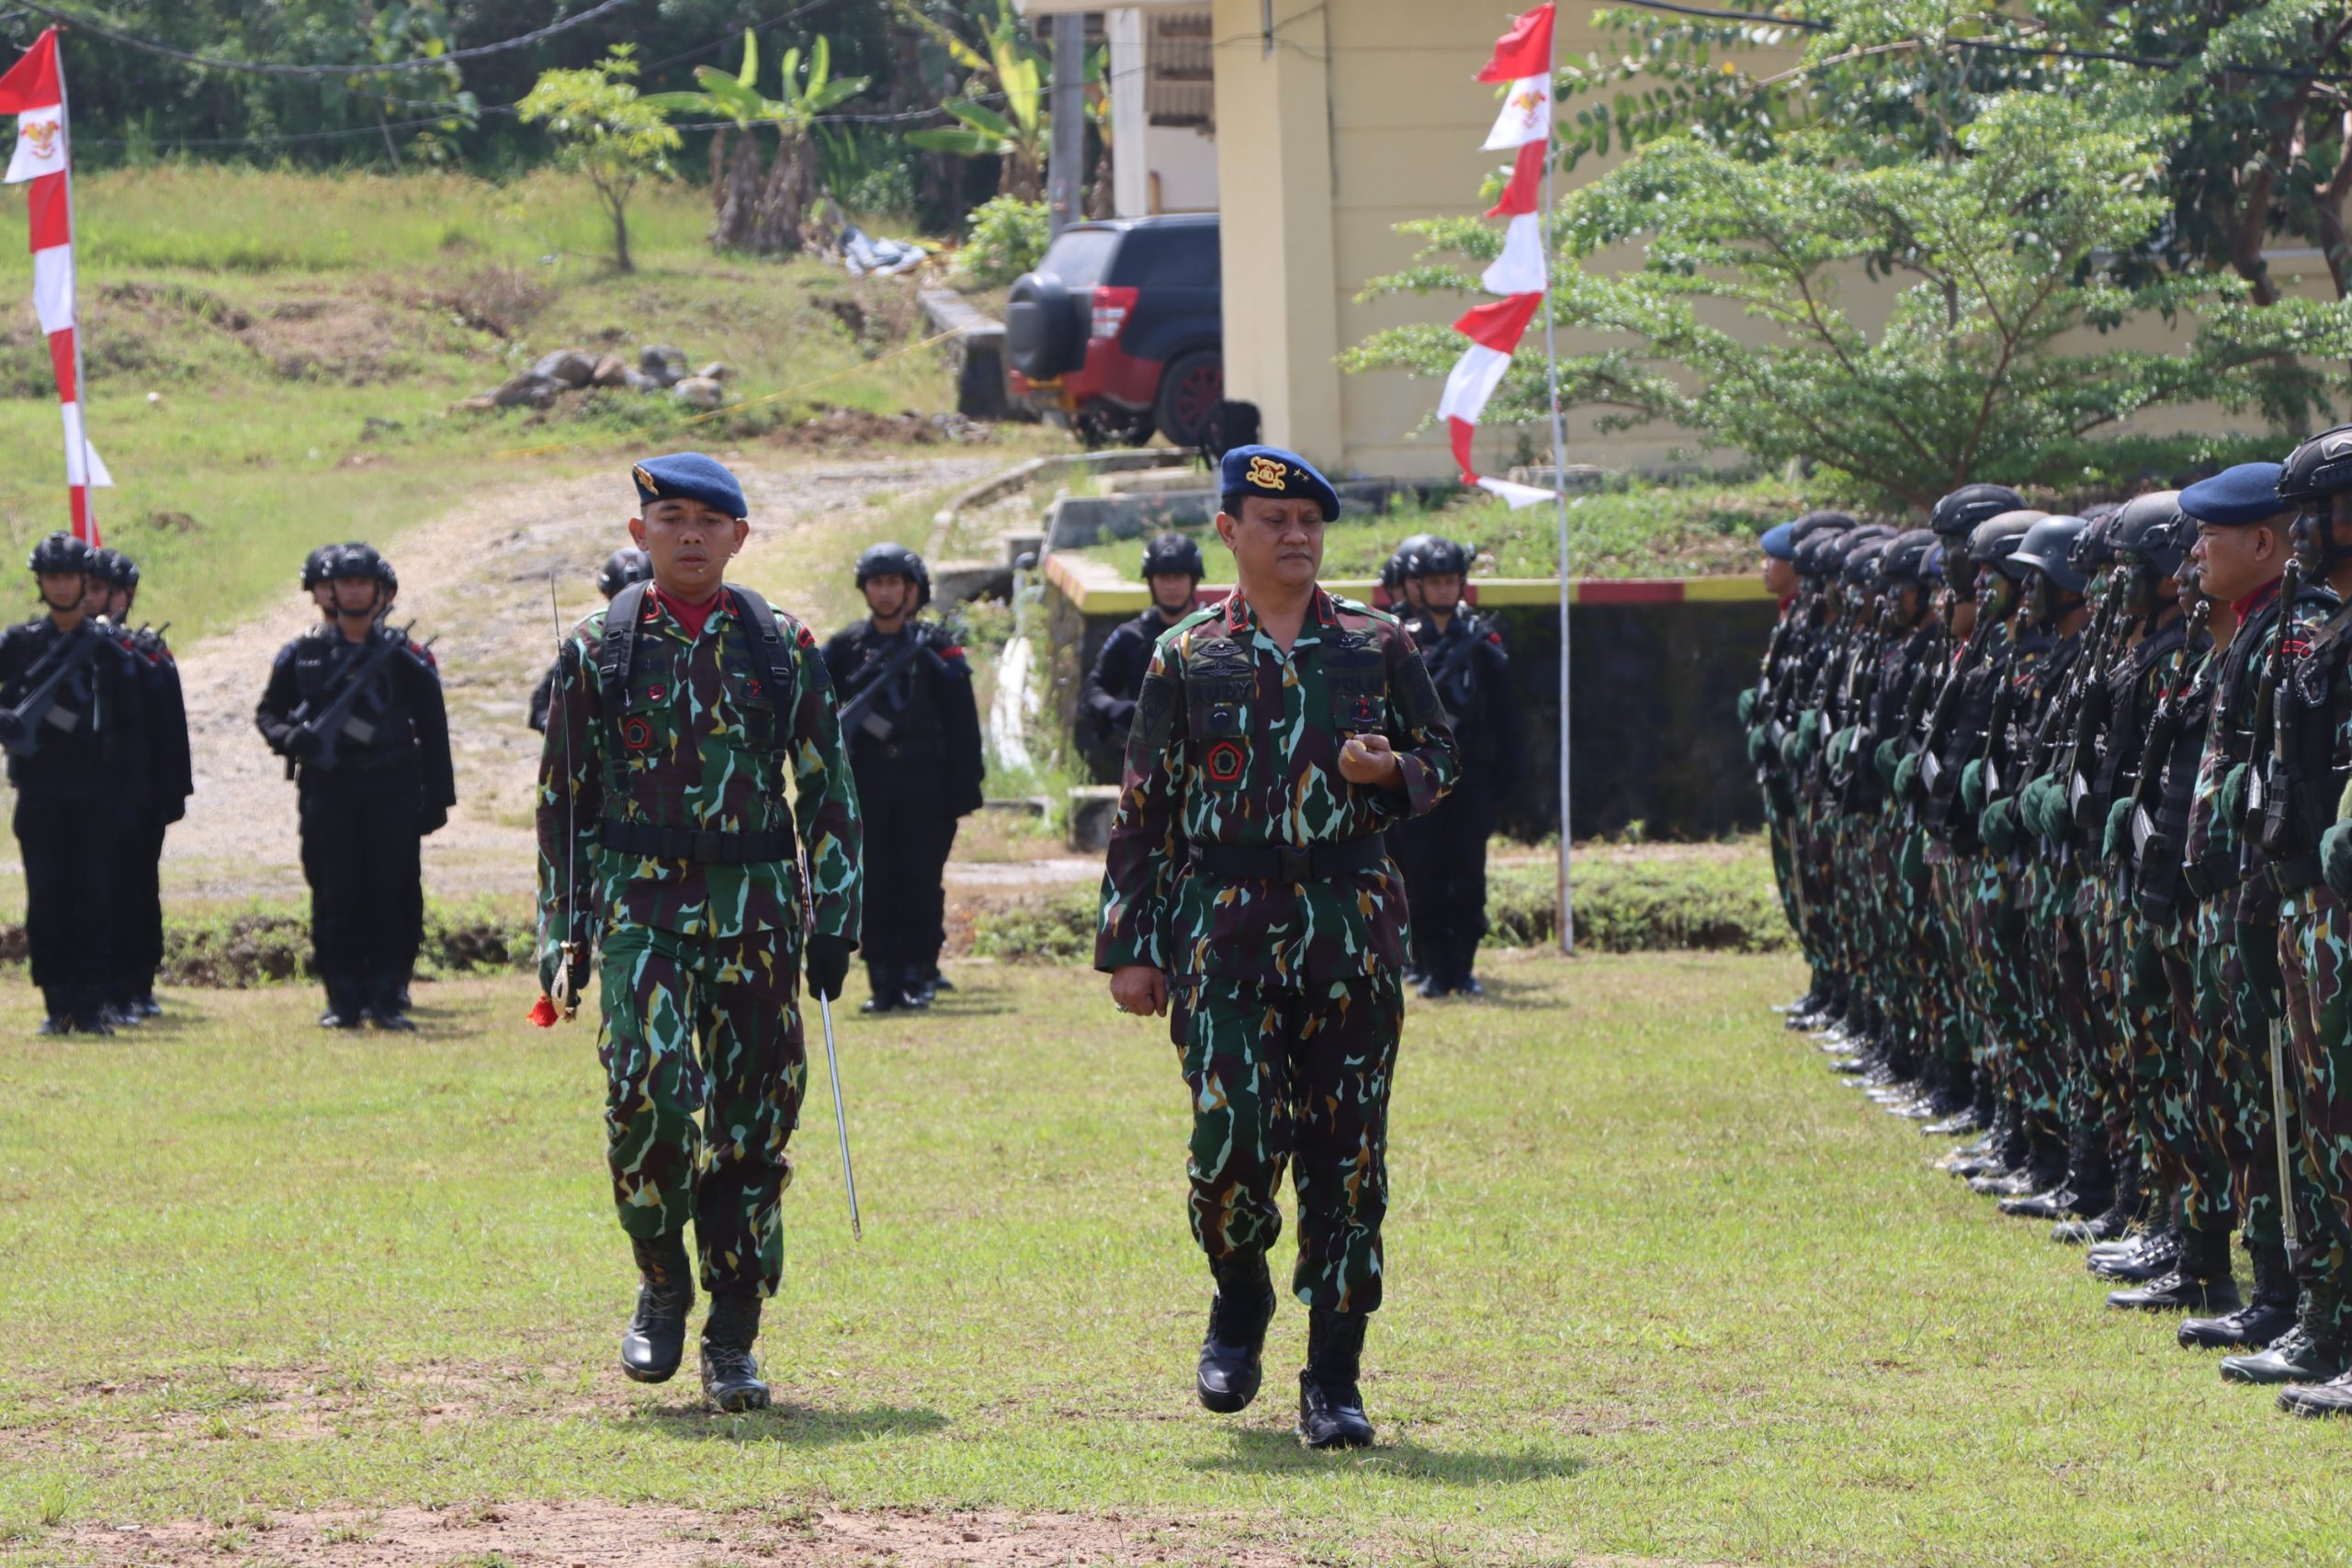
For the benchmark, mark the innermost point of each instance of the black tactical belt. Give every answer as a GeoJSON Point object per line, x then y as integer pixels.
{"type": "Point", "coordinates": [706, 847]}
{"type": "Point", "coordinates": [1287, 862]}
{"type": "Point", "coordinates": [2294, 875]}
{"type": "Point", "coordinates": [2210, 876]}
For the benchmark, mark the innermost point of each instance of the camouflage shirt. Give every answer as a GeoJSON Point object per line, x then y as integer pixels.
{"type": "Point", "coordinates": [706, 752]}
{"type": "Point", "coordinates": [1236, 742]}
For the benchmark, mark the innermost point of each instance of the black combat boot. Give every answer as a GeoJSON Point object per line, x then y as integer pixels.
{"type": "Point", "coordinates": [2142, 1256]}
{"type": "Point", "coordinates": [913, 994]}
{"type": "Point", "coordinates": [343, 1011]}
{"type": "Point", "coordinates": [2199, 1281]}
{"type": "Point", "coordinates": [2087, 1186]}
{"type": "Point", "coordinates": [655, 1341]}
{"type": "Point", "coordinates": [2115, 1221]}
{"type": "Point", "coordinates": [1431, 986]}
{"type": "Point", "coordinates": [2042, 1167]}
{"type": "Point", "coordinates": [1230, 1372]}
{"type": "Point", "coordinates": [2312, 1351]}
{"type": "Point", "coordinates": [1330, 1410]}
{"type": "Point", "coordinates": [2267, 1315]}
{"type": "Point", "coordinates": [384, 1008]}
{"type": "Point", "coordinates": [731, 1375]}
{"type": "Point", "coordinates": [882, 982]}
{"type": "Point", "coordinates": [2331, 1398]}
{"type": "Point", "coordinates": [58, 1011]}
{"type": "Point", "coordinates": [90, 1014]}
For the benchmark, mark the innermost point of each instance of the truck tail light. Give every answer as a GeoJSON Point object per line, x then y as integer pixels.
{"type": "Point", "coordinates": [1110, 309]}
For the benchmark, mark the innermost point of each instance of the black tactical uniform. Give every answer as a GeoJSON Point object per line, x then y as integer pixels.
{"type": "Point", "coordinates": [75, 728]}
{"type": "Point", "coordinates": [627, 565]}
{"type": "Point", "coordinates": [914, 745]}
{"type": "Point", "coordinates": [1443, 854]}
{"type": "Point", "coordinates": [139, 901]}
{"type": "Point", "coordinates": [364, 731]}
{"type": "Point", "coordinates": [1107, 701]}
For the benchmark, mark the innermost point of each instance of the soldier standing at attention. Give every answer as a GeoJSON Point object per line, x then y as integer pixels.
{"type": "Point", "coordinates": [665, 839]}
{"type": "Point", "coordinates": [627, 565]}
{"type": "Point", "coordinates": [1172, 570]}
{"type": "Point", "coordinates": [355, 710]}
{"type": "Point", "coordinates": [914, 740]}
{"type": "Point", "coordinates": [1250, 895]}
{"type": "Point", "coordinates": [74, 725]}
{"type": "Point", "coordinates": [139, 901]}
{"type": "Point", "coordinates": [1443, 854]}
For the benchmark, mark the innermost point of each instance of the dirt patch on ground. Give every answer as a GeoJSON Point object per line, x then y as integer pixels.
{"type": "Point", "coordinates": [595, 1534]}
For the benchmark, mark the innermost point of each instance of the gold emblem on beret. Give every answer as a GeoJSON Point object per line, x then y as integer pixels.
{"type": "Point", "coordinates": [645, 481]}
{"type": "Point", "coordinates": [1266, 473]}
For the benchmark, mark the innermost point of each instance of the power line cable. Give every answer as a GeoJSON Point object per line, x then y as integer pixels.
{"type": "Point", "coordinates": [355, 68]}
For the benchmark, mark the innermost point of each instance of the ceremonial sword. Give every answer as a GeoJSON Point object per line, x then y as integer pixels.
{"type": "Point", "coordinates": [832, 1056]}
{"type": "Point", "coordinates": [566, 978]}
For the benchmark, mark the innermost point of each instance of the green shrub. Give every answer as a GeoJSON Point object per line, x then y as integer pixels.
{"type": "Point", "coordinates": [238, 949]}
{"type": "Point", "coordinates": [1007, 237]}
{"type": "Point", "coordinates": [1056, 929]}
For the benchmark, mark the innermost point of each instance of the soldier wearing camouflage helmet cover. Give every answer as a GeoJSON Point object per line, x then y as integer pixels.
{"type": "Point", "coordinates": [913, 731]}
{"type": "Point", "coordinates": [1443, 852]}
{"type": "Point", "coordinates": [667, 843]}
{"type": "Point", "coordinates": [356, 709]}
{"type": "Point", "coordinates": [1171, 572]}
{"type": "Point", "coordinates": [1248, 894]}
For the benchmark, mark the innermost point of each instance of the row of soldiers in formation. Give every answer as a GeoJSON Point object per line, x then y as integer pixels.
{"type": "Point", "coordinates": [95, 728]}
{"type": "Point", "coordinates": [1441, 853]}
{"type": "Point", "coordinates": [2054, 804]}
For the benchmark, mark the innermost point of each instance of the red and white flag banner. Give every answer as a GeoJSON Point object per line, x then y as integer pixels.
{"type": "Point", "coordinates": [1523, 62]}
{"type": "Point", "coordinates": [34, 91]}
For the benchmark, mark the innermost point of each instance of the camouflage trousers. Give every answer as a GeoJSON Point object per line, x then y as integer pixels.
{"type": "Point", "coordinates": [1996, 941]}
{"type": "Point", "coordinates": [2050, 978]}
{"type": "Point", "coordinates": [1781, 836]}
{"type": "Point", "coordinates": [704, 1076]}
{"type": "Point", "coordinates": [2174, 1059]}
{"type": "Point", "coordinates": [1297, 1081]}
{"type": "Point", "coordinates": [2235, 1032]}
{"type": "Point", "coordinates": [2098, 1088]}
{"type": "Point", "coordinates": [2315, 957]}
{"type": "Point", "coordinates": [1945, 914]}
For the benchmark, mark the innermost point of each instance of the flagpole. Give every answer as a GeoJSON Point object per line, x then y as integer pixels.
{"type": "Point", "coordinates": [74, 302]}
{"type": "Point", "coordinates": [1567, 921]}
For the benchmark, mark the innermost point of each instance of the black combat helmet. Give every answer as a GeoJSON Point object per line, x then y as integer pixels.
{"type": "Point", "coordinates": [1392, 572]}
{"type": "Point", "coordinates": [314, 565]}
{"type": "Point", "coordinates": [627, 565]}
{"type": "Point", "coordinates": [61, 553]}
{"type": "Point", "coordinates": [1818, 557]}
{"type": "Point", "coordinates": [2093, 549]}
{"type": "Point", "coordinates": [356, 560]}
{"type": "Point", "coordinates": [1860, 568]}
{"type": "Point", "coordinates": [2320, 466]}
{"type": "Point", "coordinates": [2151, 529]}
{"type": "Point", "coordinates": [889, 560]}
{"type": "Point", "coordinates": [1957, 514]}
{"type": "Point", "coordinates": [2048, 548]}
{"type": "Point", "coordinates": [1994, 540]}
{"type": "Point", "coordinates": [1438, 558]}
{"type": "Point", "coordinates": [1904, 562]}
{"type": "Point", "coordinates": [1173, 555]}
{"type": "Point", "coordinates": [1812, 524]}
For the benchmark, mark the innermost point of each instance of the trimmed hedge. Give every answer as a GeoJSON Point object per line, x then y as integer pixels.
{"type": "Point", "coordinates": [238, 949]}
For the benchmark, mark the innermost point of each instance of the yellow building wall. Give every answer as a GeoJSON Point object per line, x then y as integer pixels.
{"type": "Point", "coordinates": [1362, 114]}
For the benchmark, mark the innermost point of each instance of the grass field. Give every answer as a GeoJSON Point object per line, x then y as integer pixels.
{"type": "Point", "coordinates": [275, 315]}
{"type": "Point", "coordinates": [1663, 1291]}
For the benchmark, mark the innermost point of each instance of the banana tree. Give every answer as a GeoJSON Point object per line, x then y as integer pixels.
{"type": "Point", "coordinates": [1019, 137]}
{"type": "Point", "coordinates": [760, 210]}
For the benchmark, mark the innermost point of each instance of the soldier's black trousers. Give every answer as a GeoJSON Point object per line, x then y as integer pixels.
{"type": "Point", "coordinates": [1444, 857]}
{"type": "Point", "coordinates": [360, 855]}
{"type": "Point", "coordinates": [69, 844]}
{"type": "Point", "coordinates": [907, 842]}
{"type": "Point", "coordinates": [138, 910]}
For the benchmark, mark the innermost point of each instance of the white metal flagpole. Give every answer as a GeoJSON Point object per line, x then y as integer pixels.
{"type": "Point", "coordinates": [89, 518]}
{"type": "Point", "coordinates": [1567, 913]}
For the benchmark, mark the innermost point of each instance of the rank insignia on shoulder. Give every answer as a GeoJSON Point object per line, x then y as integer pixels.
{"type": "Point", "coordinates": [807, 638]}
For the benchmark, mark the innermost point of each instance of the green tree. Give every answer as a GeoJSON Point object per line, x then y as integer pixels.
{"type": "Point", "coordinates": [1989, 276]}
{"type": "Point", "coordinates": [605, 130]}
{"type": "Point", "coordinates": [762, 212]}
{"type": "Point", "coordinates": [1019, 137]}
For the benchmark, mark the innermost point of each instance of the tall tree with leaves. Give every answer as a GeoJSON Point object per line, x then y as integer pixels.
{"type": "Point", "coordinates": [1014, 70]}
{"type": "Point", "coordinates": [605, 131]}
{"type": "Point", "coordinates": [762, 212]}
{"type": "Point", "coordinates": [1988, 362]}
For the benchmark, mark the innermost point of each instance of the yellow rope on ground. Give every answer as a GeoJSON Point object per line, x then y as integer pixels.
{"type": "Point", "coordinates": [930, 341]}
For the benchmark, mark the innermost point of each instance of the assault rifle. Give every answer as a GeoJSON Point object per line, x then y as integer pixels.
{"type": "Point", "coordinates": [326, 727]}
{"type": "Point", "coordinates": [2164, 727]}
{"type": "Point", "coordinates": [858, 712]}
{"type": "Point", "coordinates": [2265, 701]}
{"type": "Point", "coordinates": [2081, 707]}
{"type": "Point", "coordinates": [1947, 696]}
{"type": "Point", "coordinates": [1862, 687]}
{"type": "Point", "coordinates": [22, 727]}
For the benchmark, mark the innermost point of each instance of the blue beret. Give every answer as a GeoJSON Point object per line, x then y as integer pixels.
{"type": "Point", "coordinates": [2235, 497]}
{"type": "Point", "coordinates": [1270, 471]}
{"type": "Point", "coordinates": [1780, 542]}
{"type": "Point", "coordinates": [689, 476]}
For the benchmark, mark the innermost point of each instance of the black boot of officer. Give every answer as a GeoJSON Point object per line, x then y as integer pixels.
{"type": "Point", "coordinates": [386, 1001]}
{"type": "Point", "coordinates": [1230, 1370]}
{"type": "Point", "coordinates": [2268, 1314]}
{"type": "Point", "coordinates": [730, 1374]}
{"type": "Point", "coordinates": [1330, 1410]}
{"type": "Point", "coordinates": [2198, 1281]}
{"type": "Point", "coordinates": [2307, 1352]}
{"type": "Point", "coordinates": [655, 1341]}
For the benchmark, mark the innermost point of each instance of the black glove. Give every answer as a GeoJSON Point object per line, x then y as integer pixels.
{"type": "Point", "coordinates": [2258, 957]}
{"type": "Point", "coordinates": [829, 965]}
{"type": "Point", "coordinates": [303, 744]}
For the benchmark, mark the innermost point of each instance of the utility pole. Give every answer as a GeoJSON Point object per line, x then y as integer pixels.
{"type": "Point", "coordinates": [1067, 158]}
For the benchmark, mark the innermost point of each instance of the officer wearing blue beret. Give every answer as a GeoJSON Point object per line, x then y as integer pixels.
{"type": "Point", "coordinates": [1248, 892]}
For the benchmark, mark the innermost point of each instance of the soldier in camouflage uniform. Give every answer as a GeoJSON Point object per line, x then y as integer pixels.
{"type": "Point", "coordinates": [1248, 894]}
{"type": "Point", "coordinates": [666, 842]}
